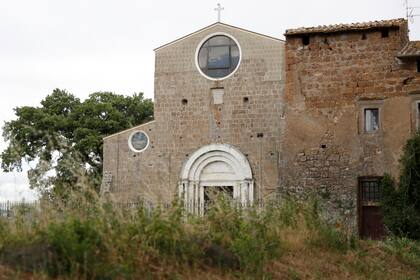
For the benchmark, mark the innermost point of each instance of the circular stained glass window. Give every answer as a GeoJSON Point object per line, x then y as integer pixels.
{"type": "Point", "coordinates": [218, 57]}
{"type": "Point", "coordinates": [138, 141]}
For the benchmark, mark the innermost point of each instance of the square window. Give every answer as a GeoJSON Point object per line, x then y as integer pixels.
{"type": "Point", "coordinates": [385, 33]}
{"type": "Point", "coordinates": [305, 40]}
{"type": "Point", "coordinates": [371, 117]}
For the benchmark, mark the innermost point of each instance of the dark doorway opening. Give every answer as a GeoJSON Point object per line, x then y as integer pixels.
{"type": "Point", "coordinates": [212, 193]}
{"type": "Point", "coordinates": [370, 215]}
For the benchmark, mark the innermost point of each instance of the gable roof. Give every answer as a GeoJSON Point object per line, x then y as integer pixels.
{"type": "Point", "coordinates": [212, 25]}
{"type": "Point", "coordinates": [128, 129]}
{"type": "Point", "coordinates": [359, 26]}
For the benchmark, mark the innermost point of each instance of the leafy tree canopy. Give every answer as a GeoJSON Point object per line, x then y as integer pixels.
{"type": "Point", "coordinates": [61, 140]}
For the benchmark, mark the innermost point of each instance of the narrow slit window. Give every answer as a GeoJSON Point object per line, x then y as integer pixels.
{"type": "Point", "coordinates": [418, 66]}
{"type": "Point", "coordinates": [418, 116]}
{"type": "Point", "coordinates": [371, 119]}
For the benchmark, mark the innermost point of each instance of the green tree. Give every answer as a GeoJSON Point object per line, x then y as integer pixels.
{"type": "Point", "coordinates": [61, 140]}
{"type": "Point", "coordinates": [401, 202]}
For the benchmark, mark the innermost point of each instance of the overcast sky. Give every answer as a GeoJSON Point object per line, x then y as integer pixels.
{"type": "Point", "coordinates": [85, 46]}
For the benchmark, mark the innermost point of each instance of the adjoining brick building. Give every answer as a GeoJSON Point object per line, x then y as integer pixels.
{"type": "Point", "coordinates": [352, 100]}
{"type": "Point", "coordinates": [323, 114]}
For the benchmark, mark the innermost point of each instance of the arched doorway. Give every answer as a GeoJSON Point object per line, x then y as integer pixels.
{"type": "Point", "coordinates": [215, 167]}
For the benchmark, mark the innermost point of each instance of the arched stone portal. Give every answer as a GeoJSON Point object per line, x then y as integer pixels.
{"type": "Point", "coordinates": [215, 166]}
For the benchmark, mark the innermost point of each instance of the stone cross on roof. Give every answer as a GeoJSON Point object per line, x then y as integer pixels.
{"type": "Point", "coordinates": [219, 9]}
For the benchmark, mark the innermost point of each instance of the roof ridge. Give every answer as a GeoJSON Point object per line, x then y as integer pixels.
{"type": "Point", "coordinates": [128, 129]}
{"type": "Point", "coordinates": [347, 26]}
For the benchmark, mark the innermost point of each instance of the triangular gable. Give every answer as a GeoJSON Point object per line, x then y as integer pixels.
{"type": "Point", "coordinates": [212, 25]}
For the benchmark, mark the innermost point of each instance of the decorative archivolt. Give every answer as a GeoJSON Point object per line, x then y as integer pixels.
{"type": "Point", "coordinates": [216, 152]}
{"type": "Point", "coordinates": [215, 165]}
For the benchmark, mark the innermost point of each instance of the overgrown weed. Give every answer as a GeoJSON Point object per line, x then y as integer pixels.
{"type": "Point", "coordinates": [407, 250]}
{"type": "Point", "coordinates": [95, 239]}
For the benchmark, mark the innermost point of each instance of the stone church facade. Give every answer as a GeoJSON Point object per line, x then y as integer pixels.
{"type": "Point", "coordinates": [207, 132]}
{"type": "Point", "coordinates": [324, 113]}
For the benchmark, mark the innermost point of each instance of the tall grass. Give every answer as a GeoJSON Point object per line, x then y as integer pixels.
{"type": "Point", "coordinates": [406, 250]}
{"type": "Point", "coordinates": [89, 238]}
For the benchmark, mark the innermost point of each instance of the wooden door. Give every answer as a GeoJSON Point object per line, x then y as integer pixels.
{"type": "Point", "coordinates": [370, 216]}
{"type": "Point", "coordinates": [372, 226]}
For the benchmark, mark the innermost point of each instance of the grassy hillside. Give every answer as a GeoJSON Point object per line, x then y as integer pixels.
{"type": "Point", "coordinates": [89, 239]}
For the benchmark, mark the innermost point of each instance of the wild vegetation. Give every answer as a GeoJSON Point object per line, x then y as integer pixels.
{"type": "Point", "coordinates": [401, 201]}
{"type": "Point", "coordinates": [88, 238]}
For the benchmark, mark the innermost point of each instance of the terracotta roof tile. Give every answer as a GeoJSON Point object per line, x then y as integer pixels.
{"type": "Point", "coordinates": [347, 27]}
{"type": "Point", "coordinates": [410, 50]}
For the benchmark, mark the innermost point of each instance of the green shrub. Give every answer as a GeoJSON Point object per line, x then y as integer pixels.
{"type": "Point", "coordinates": [324, 235]}
{"type": "Point", "coordinates": [77, 246]}
{"type": "Point", "coordinates": [165, 232]}
{"type": "Point", "coordinates": [401, 203]}
{"type": "Point", "coordinates": [287, 213]}
{"type": "Point", "coordinates": [95, 240]}
{"type": "Point", "coordinates": [330, 238]}
{"type": "Point", "coordinates": [251, 235]}
{"type": "Point", "coordinates": [4, 232]}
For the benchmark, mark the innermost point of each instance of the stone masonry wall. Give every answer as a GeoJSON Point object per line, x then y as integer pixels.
{"type": "Point", "coordinates": [186, 118]}
{"type": "Point", "coordinates": [328, 84]}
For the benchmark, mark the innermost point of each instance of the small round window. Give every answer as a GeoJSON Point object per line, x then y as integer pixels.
{"type": "Point", "coordinates": [218, 57]}
{"type": "Point", "coordinates": [138, 141]}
